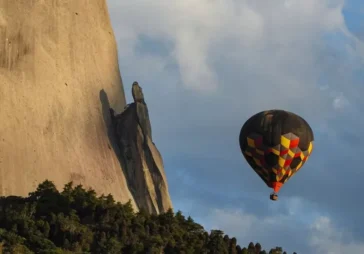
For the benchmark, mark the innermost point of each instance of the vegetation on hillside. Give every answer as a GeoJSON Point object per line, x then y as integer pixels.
{"type": "Point", "coordinates": [77, 221]}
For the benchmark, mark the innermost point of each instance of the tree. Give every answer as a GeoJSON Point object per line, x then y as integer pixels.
{"type": "Point", "coordinates": [226, 241]}
{"type": "Point", "coordinates": [238, 249]}
{"type": "Point", "coordinates": [216, 243]}
{"type": "Point", "coordinates": [232, 247]}
{"type": "Point", "coordinates": [251, 248]}
{"type": "Point", "coordinates": [258, 247]}
{"type": "Point", "coordinates": [78, 221]}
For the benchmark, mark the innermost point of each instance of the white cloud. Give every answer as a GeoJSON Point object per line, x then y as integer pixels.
{"type": "Point", "coordinates": [234, 222]}
{"type": "Point", "coordinates": [321, 237]}
{"type": "Point", "coordinates": [340, 102]}
{"type": "Point", "coordinates": [277, 229]}
{"type": "Point", "coordinates": [326, 239]}
{"type": "Point", "coordinates": [191, 55]}
{"type": "Point", "coordinates": [275, 40]}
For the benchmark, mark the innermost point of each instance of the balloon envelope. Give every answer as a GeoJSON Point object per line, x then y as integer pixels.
{"type": "Point", "coordinates": [276, 144]}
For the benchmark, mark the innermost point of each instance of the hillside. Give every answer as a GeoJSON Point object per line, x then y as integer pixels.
{"type": "Point", "coordinates": [77, 221]}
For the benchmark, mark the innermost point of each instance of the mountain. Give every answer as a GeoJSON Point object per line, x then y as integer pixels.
{"type": "Point", "coordinates": [59, 77]}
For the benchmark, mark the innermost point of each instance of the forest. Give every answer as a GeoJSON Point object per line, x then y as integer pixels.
{"type": "Point", "coordinates": [76, 220]}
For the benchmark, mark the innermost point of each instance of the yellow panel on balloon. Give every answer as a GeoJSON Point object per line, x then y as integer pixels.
{"type": "Point", "coordinates": [285, 141]}
{"type": "Point", "coordinates": [251, 142]}
{"type": "Point", "coordinates": [257, 162]}
{"type": "Point", "coordinates": [290, 153]}
{"type": "Point", "coordinates": [276, 152]}
{"type": "Point", "coordinates": [248, 153]}
{"type": "Point", "coordinates": [310, 148]}
{"type": "Point", "coordinates": [281, 161]}
{"type": "Point", "coordinates": [279, 177]}
{"type": "Point", "coordinates": [259, 151]}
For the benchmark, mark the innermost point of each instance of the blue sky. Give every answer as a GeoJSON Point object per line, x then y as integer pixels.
{"type": "Point", "coordinates": [207, 65]}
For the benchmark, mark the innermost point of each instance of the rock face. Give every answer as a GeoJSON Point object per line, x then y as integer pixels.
{"type": "Point", "coordinates": [59, 76]}
{"type": "Point", "coordinates": [141, 160]}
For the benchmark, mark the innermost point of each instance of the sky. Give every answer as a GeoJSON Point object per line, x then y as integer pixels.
{"type": "Point", "coordinates": [206, 66]}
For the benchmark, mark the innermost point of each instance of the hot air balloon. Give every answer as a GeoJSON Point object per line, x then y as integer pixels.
{"type": "Point", "coordinates": [276, 144]}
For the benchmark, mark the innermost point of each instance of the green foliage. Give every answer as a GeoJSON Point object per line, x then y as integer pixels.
{"type": "Point", "coordinates": [276, 250]}
{"type": "Point", "coordinates": [77, 221]}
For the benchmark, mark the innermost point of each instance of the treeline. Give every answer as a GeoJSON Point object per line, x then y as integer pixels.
{"type": "Point", "coordinates": [77, 221]}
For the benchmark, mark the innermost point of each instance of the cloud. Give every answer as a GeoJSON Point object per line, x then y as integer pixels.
{"type": "Point", "coordinates": [270, 230]}
{"type": "Point", "coordinates": [206, 66]}
{"type": "Point", "coordinates": [320, 236]}
{"type": "Point", "coordinates": [201, 31]}
{"type": "Point", "coordinates": [233, 52]}
{"type": "Point", "coordinates": [340, 102]}
{"type": "Point", "coordinates": [327, 239]}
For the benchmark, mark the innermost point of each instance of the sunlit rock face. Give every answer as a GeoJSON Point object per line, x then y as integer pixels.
{"type": "Point", "coordinates": [59, 76]}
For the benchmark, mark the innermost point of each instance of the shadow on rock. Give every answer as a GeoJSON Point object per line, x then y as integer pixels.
{"type": "Point", "coordinates": [130, 135]}
{"type": "Point", "coordinates": [108, 115]}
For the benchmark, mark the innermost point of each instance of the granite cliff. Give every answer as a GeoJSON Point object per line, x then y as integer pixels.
{"type": "Point", "coordinates": [141, 160]}
{"type": "Point", "coordinates": [59, 77]}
